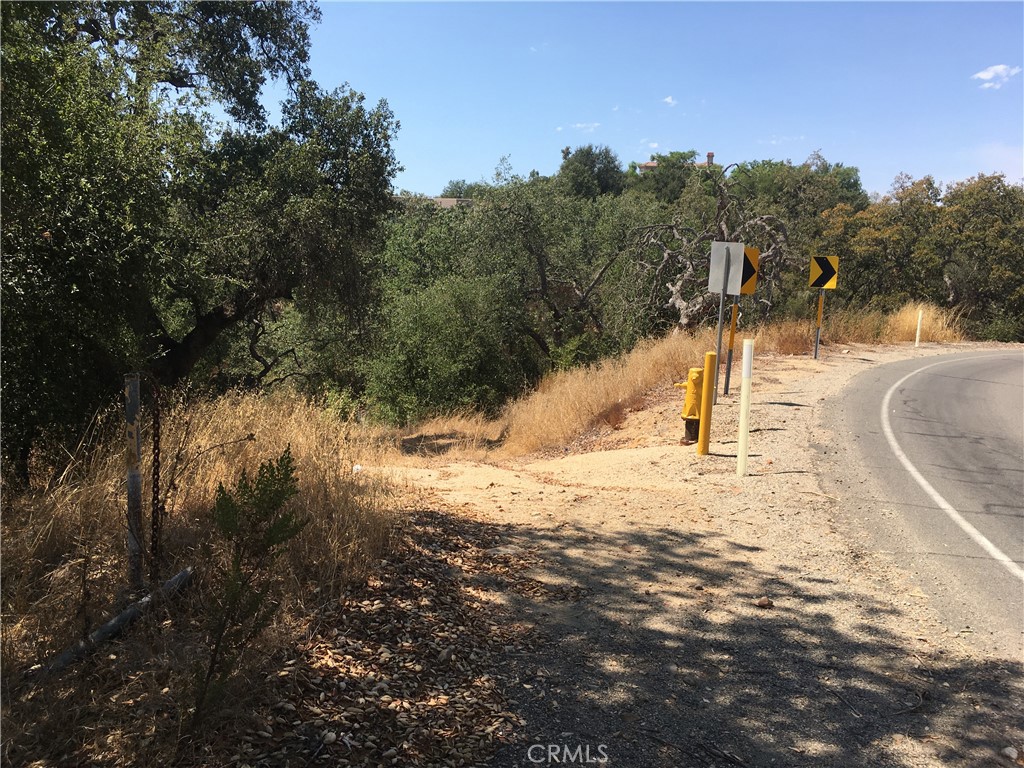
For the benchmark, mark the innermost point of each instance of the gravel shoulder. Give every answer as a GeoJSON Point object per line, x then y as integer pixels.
{"type": "Point", "coordinates": [682, 616]}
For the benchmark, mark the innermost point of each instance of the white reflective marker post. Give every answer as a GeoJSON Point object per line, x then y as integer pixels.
{"type": "Point", "coordinates": [748, 372]}
{"type": "Point", "coordinates": [920, 317]}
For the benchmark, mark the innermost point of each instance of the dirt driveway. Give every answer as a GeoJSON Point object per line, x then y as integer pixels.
{"type": "Point", "coordinates": [687, 617]}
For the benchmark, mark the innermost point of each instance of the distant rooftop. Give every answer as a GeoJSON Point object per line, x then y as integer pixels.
{"type": "Point", "coordinates": [650, 165]}
{"type": "Point", "coordinates": [452, 202]}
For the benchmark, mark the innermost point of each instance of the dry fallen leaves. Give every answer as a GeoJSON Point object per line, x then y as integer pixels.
{"type": "Point", "coordinates": [406, 669]}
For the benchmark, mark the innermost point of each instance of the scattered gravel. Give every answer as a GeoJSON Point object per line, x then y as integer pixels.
{"type": "Point", "coordinates": [690, 617]}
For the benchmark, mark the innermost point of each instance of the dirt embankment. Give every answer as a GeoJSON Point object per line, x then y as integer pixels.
{"type": "Point", "coordinates": [687, 617]}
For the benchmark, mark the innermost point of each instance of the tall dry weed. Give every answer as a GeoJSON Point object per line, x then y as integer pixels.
{"type": "Point", "coordinates": [847, 326]}
{"type": "Point", "coordinates": [56, 545]}
{"type": "Point", "coordinates": [937, 324]}
{"type": "Point", "coordinates": [464, 435]}
{"type": "Point", "coordinates": [786, 337]}
{"type": "Point", "coordinates": [64, 540]}
{"type": "Point", "coordinates": [569, 402]}
{"type": "Point", "coordinates": [854, 326]}
{"type": "Point", "coordinates": [216, 439]}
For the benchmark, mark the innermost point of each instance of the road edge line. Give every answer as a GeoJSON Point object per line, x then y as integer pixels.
{"type": "Point", "coordinates": [945, 506]}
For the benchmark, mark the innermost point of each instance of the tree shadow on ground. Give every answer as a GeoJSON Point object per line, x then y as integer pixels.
{"type": "Point", "coordinates": [655, 650]}
{"type": "Point", "coordinates": [648, 649]}
{"type": "Point", "coordinates": [440, 443]}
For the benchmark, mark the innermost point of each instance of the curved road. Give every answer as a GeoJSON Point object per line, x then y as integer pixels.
{"type": "Point", "coordinates": [942, 440]}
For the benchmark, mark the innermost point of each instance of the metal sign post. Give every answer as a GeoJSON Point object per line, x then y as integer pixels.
{"type": "Point", "coordinates": [732, 342]}
{"type": "Point", "coordinates": [133, 441]}
{"type": "Point", "coordinates": [747, 286]}
{"type": "Point", "coordinates": [817, 332]}
{"type": "Point", "coordinates": [733, 271]}
{"type": "Point", "coordinates": [721, 318]}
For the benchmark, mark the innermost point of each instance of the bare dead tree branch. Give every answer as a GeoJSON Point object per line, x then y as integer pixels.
{"type": "Point", "coordinates": [683, 250]}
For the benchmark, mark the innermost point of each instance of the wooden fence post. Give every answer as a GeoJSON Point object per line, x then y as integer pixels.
{"type": "Point", "coordinates": [134, 446]}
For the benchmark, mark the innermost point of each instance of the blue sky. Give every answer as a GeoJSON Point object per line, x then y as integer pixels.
{"type": "Point", "coordinates": [922, 88]}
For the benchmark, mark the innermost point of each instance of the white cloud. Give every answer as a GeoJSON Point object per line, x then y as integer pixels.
{"type": "Point", "coordinates": [652, 144]}
{"type": "Point", "coordinates": [774, 141]}
{"type": "Point", "coordinates": [670, 101]}
{"type": "Point", "coordinates": [615, 108]}
{"type": "Point", "coordinates": [559, 129]}
{"type": "Point", "coordinates": [996, 76]}
{"type": "Point", "coordinates": [586, 127]}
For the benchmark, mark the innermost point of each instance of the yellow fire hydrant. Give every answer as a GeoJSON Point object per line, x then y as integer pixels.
{"type": "Point", "coordinates": [691, 405]}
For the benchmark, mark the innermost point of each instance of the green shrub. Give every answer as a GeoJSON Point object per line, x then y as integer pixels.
{"type": "Point", "coordinates": [1002, 326]}
{"type": "Point", "coordinates": [255, 527]}
{"type": "Point", "coordinates": [453, 345]}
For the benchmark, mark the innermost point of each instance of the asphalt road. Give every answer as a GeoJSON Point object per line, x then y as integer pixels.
{"type": "Point", "coordinates": [929, 459]}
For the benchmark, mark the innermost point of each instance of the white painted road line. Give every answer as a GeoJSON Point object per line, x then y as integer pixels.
{"type": "Point", "coordinates": [944, 505]}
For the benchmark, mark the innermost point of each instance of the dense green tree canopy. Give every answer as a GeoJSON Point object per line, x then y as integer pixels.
{"type": "Point", "coordinates": [885, 249]}
{"type": "Point", "coordinates": [979, 240]}
{"type": "Point", "coordinates": [134, 236]}
{"type": "Point", "coordinates": [799, 194]}
{"type": "Point", "coordinates": [277, 214]}
{"type": "Point", "coordinates": [463, 188]}
{"type": "Point", "coordinates": [139, 235]}
{"type": "Point", "coordinates": [589, 171]}
{"type": "Point", "coordinates": [219, 50]}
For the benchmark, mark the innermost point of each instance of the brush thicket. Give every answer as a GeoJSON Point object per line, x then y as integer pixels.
{"type": "Point", "coordinates": [937, 324]}
{"type": "Point", "coordinates": [64, 540]}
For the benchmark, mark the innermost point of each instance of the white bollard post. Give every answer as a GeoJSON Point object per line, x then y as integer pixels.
{"type": "Point", "coordinates": [748, 371]}
{"type": "Point", "coordinates": [920, 316]}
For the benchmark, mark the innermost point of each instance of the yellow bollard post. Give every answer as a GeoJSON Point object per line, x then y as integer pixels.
{"type": "Point", "coordinates": [706, 401]}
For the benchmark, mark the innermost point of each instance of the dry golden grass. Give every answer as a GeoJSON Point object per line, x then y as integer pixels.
{"type": "Point", "coordinates": [937, 324]}
{"type": "Point", "coordinates": [63, 570]}
{"type": "Point", "coordinates": [786, 337]}
{"type": "Point", "coordinates": [466, 435]}
{"type": "Point", "coordinates": [848, 326]}
{"type": "Point", "coordinates": [64, 560]}
{"type": "Point", "coordinates": [568, 402]}
{"type": "Point", "coordinates": [852, 327]}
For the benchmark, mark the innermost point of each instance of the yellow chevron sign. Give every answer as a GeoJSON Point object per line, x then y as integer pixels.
{"type": "Point", "coordinates": [824, 272]}
{"type": "Point", "coordinates": [748, 282]}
